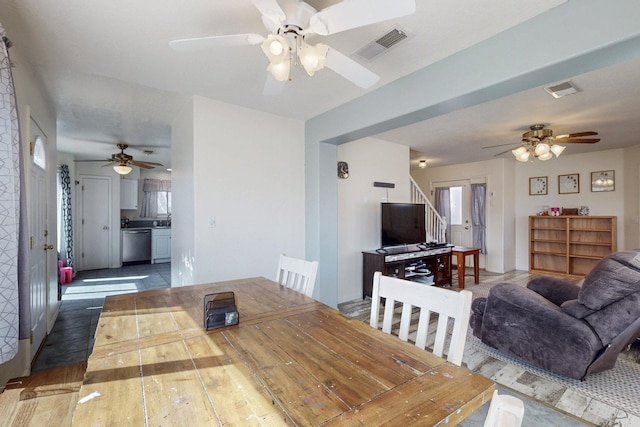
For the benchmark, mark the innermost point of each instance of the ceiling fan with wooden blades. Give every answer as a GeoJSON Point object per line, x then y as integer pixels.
{"type": "Point", "coordinates": [121, 161]}
{"type": "Point", "coordinates": [291, 22]}
{"type": "Point", "coordinates": [540, 143]}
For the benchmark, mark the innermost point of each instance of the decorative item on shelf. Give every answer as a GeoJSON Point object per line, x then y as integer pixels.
{"type": "Point", "coordinates": [569, 211]}
{"type": "Point", "coordinates": [555, 211]}
{"type": "Point", "coordinates": [343, 170]}
{"type": "Point", "coordinates": [583, 211]}
{"type": "Point", "coordinates": [569, 183]}
{"type": "Point", "coordinates": [537, 185]}
{"type": "Point", "coordinates": [545, 210]}
{"type": "Point", "coordinates": [220, 310]}
{"type": "Point", "coordinates": [603, 181]}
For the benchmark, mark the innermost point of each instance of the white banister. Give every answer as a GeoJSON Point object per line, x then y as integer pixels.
{"type": "Point", "coordinates": [435, 224]}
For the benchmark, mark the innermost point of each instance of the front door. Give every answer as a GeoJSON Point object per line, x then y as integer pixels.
{"type": "Point", "coordinates": [38, 242]}
{"type": "Point", "coordinates": [460, 196]}
{"type": "Point", "coordinates": [96, 220]}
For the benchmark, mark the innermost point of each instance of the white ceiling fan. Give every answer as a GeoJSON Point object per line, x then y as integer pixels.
{"type": "Point", "coordinates": [291, 22]}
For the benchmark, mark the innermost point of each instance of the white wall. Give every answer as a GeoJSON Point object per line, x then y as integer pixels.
{"type": "Point", "coordinates": [500, 229]}
{"type": "Point", "coordinates": [247, 172]}
{"type": "Point", "coordinates": [599, 203]}
{"type": "Point", "coordinates": [359, 201]}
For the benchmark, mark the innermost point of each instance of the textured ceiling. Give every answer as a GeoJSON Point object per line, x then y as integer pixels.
{"type": "Point", "coordinates": [111, 76]}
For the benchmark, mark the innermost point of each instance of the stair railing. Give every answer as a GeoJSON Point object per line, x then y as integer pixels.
{"type": "Point", "coordinates": [435, 224]}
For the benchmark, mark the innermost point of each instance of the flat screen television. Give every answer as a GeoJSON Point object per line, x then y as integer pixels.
{"type": "Point", "coordinates": [402, 224]}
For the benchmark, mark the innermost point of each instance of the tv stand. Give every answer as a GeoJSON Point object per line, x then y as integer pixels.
{"type": "Point", "coordinates": [429, 266]}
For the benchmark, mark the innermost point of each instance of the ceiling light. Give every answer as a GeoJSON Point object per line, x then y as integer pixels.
{"type": "Point", "coordinates": [542, 148]}
{"type": "Point", "coordinates": [545, 156]}
{"type": "Point", "coordinates": [557, 149]}
{"type": "Point", "coordinates": [122, 169]}
{"type": "Point", "coordinates": [312, 57]}
{"type": "Point", "coordinates": [422, 164]}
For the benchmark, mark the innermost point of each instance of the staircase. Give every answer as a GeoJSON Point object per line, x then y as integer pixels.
{"type": "Point", "coordinates": [435, 224]}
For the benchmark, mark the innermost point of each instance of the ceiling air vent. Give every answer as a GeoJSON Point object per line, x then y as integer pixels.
{"type": "Point", "coordinates": [562, 89]}
{"type": "Point", "coordinates": [385, 42]}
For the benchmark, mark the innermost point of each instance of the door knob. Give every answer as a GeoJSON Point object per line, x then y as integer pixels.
{"type": "Point", "coordinates": [48, 247]}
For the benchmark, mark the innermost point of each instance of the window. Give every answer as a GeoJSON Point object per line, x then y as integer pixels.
{"type": "Point", "coordinates": [455, 197]}
{"type": "Point", "coordinates": [164, 202]}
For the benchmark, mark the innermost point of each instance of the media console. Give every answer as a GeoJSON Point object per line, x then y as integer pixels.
{"type": "Point", "coordinates": [431, 266]}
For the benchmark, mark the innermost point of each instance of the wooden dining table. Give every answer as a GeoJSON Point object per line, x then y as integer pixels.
{"type": "Point", "coordinates": [291, 360]}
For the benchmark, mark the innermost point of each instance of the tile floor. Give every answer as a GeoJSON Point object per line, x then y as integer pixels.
{"type": "Point", "coordinates": [72, 336]}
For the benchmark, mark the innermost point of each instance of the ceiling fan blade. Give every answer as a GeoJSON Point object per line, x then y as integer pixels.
{"type": "Point", "coordinates": [350, 14]}
{"type": "Point", "coordinates": [503, 152]}
{"type": "Point", "coordinates": [578, 141]}
{"type": "Point", "coordinates": [499, 145]}
{"type": "Point", "coordinates": [146, 165]}
{"type": "Point", "coordinates": [214, 42]}
{"type": "Point", "coordinates": [272, 86]}
{"type": "Point", "coordinates": [270, 9]}
{"type": "Point", "coordinates": [350, 69]}
{"type": "Point", "coordinates": [577, 135]}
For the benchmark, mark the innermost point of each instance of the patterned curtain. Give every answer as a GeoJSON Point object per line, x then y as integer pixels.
{"type": "Point", "coordinates": [478, 198]}
{"type": "Point", "coordinates": [67, 223]}
{"type": "Point", "coordinates": [14, 275]}
{"type": "Point", "coordinates": [443, 207]}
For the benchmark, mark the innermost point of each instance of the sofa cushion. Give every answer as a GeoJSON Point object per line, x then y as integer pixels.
{"type": "Point", "coordinates": [575, 309]}
{"type": "Point", "coordinates": [613, 278]}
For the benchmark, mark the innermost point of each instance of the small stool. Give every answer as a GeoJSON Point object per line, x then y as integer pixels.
{"type": "Point", "coordinates": [461, 255]}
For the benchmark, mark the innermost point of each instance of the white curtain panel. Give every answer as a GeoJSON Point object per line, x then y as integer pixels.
{"type": "Point", "coordinates": [9, 209]}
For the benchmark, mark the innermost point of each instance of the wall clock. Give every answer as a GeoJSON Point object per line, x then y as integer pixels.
{"type": "Point", "coordinates": [569, 183]}
{"type": "Point", "coordinates": [343, 170]}
{"type": "Point", "coordinates": [538, 185]}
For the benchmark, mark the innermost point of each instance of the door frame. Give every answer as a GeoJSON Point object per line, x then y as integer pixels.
{"type": "Point", "coordinates": [466, 216]}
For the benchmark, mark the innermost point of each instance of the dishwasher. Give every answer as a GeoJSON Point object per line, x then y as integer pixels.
{"type": "Point", "coordinates": [136, 245]}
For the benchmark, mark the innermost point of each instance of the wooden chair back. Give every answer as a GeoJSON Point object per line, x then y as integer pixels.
{"type": "Point", "coordinates": [297, 274]}
{"type": "Point", "coordinates": [504, 411]}
{"type": "Point", "coordinates": [430, 299]}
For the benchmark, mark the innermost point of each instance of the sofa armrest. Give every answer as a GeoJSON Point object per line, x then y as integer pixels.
{"type": "Point", "coordinates": [554, 289]}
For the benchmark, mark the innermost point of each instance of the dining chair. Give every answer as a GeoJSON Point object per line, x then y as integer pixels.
{"type": "Point", "coordinates": [504, 411]}
{"type": "Point", "coordinates": [297, 274]}
{"type": "Point", "coordinates": [430, 299]}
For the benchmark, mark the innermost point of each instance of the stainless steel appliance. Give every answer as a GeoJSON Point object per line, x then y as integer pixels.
{"type": "Point", "coordinates": [136, 245]}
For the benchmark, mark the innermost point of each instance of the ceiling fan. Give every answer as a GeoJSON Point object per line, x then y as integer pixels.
{"type": "Point", "coordinates": [540, 142]}
{"type": "Point", "coordinates": [121, 161]}
{"type": "Point", "coordinates": [291, 22]}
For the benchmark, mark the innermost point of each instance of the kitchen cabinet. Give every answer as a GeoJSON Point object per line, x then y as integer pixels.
{"type": "Point", "coordinates": [129, 194]}
{"type": "Point", "coordinates": [160, 245]}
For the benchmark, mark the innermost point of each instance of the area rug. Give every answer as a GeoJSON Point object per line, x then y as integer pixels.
{"type": "Point", "coordinates": [618, 387]}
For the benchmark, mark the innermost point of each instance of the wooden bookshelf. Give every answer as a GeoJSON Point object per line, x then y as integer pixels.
{"type": "Point", "coordinates": [569, 245]}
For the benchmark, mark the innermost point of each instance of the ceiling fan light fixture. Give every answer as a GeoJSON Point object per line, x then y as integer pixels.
{"type": "Point", "coordinates": [312, 57]}
{"type": "Point", "coordinates": [122, 169]}
{"type": "Point", "coordinates": [280, 71]}
{"type": "Point", "coordinates": [276, 48]}
{"type": "Point", "coordinates": [545, 156]}
{"type": "Point", "coordinates": [557, 149]}
{"type": "Point", "coordinates": [541, 149]}
{"type": "Point", "coordinates": [519, 151]}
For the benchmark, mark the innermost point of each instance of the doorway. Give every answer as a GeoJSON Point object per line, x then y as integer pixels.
{"type": "Point", "coordinates": [95, 200]}
{"type": "Point", "coordinates": [461, 231]}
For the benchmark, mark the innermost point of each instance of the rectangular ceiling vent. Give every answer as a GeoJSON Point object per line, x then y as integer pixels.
{"type": "Point", "coordinates": [562, 89]}
{"type": "Point", "coordinates": [382, 44]}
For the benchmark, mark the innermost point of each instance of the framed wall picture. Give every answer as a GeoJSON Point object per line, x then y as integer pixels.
{"type": "Point", "coordinates": [603, 181]}
{"type": "Point", "coordinates": [569, 183]}
{"type": "Point", "coordinates": [538, 186]}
